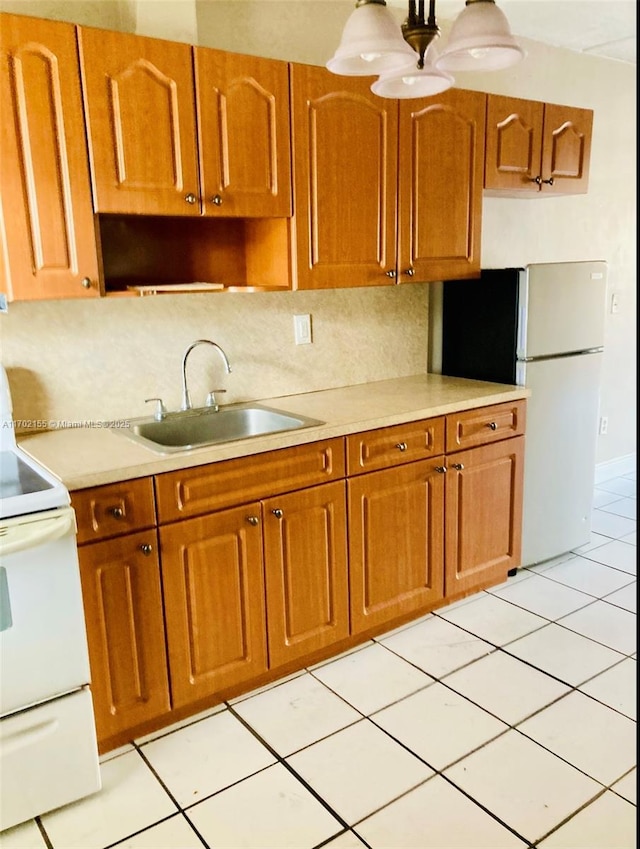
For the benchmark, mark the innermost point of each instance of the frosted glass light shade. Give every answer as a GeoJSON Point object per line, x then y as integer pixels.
{"type": "Point", "coordinates": [411, 81]}
{"type": "Point", "coordinates": [371, 43]}
{"type": "Point", "coordinates": [480, 40]}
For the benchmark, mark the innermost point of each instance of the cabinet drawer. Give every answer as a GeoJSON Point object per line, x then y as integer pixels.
{"type": "Point", "coordinates": [391, 446]}
{"type": "Point", "coordinates": [114, 509]}
{"type": "Point", "coordinates": [485, 425]}
{"type": "Point", "coordinates": [192, 492]}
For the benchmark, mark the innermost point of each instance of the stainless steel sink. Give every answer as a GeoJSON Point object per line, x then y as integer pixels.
{"type": "Point", "coordinates": [196, 428]}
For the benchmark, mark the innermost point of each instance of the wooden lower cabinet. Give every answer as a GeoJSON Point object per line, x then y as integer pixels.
{"type": "Point", "coordinates": [483, 514]}
{"type": "Point", "coordinates": [305, 540]}
{"type": "Point", "coordinates": [125, 631]}
{"type": "Point", "coordinates": [213, 584]}
{"type": "Point", "coordinates": [396, 542]}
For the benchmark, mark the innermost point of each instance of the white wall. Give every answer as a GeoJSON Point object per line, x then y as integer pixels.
{"type": "Point", "coordinates": [56, 374]}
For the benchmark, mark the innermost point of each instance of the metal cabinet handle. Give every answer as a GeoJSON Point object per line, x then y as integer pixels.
{"type": "Point", "coordinates": [401, 446]}
{"type": "Point", "coordinates": [458, 466]}
{"type": "Point", "coordinates": [409, 272]}
{"type": "Point", "coordinates": [116, 512]}
{"type": "Point", "coordinates": [493, 426]}
{"type": "Point", "coordinates": [441, 470]}
{"type": "Point", "coordinates": [217, 200]}
{"type": "Point", "coordinates": [391, 273]}
{"type": "Point", "coordinates": [537, 180]}
{"type": "Point", "coordinates": [549, 182]}
{"type": "Point", "coordinates": [253, 520]}
{"type": "Point", "coordinates": [86, 282]}
{"type": "Point", "coordinates": [190, 198]}
{"type": "Point", "coordinates": [146, 549]}
{"type": "Point", "coordinates": [278, 513]}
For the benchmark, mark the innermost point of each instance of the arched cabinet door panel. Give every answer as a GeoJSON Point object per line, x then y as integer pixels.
{"type": "Point", "coordinates": [244, 134]}
{"type": "Point", "coordinates": [345, 153]}
{"type": "Point", "coordinates": [440, 176]}
{"type": "Point", "coordinates": [47, 235]}
{"type": "Point", "coordinates": [141, 123]}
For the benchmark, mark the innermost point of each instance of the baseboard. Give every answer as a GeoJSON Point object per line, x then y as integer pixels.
{"type": "Point", "coordinates": [614, 468]}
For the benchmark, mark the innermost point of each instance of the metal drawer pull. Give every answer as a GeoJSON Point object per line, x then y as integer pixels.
{"type": "Point", "coordinates": [458, 466]}
{"type": "Point", "coordinates": [441, 469]}
{"type": "Point", "coordinates": [146, 549]}
{"type": "Point", "coordinates": [278, 513]}
{"type": "Point", "coordinates": [401, 446]}
{"type": "Point", "coordinates": [493, 426]}
{"type": "Point", "coordinates": [253, 520]}
{"type": "Point", "coordinates": [116, 512]}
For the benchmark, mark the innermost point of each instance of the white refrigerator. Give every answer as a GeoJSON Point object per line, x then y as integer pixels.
{"type": "Point", "coordinates": [541, 327]}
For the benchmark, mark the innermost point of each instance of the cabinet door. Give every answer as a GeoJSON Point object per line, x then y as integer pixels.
{"type": "Point", "coordinates": [396, 529]}
{"type": "Point", "coordinates": [514, 143]}
{"type": "Point", "coordinates": [345, 142]}
{"type": "Point", "coordinates": [483, 515]}
{"type": "Point", "coordinates": [46, 217]}
{"type": "Point", "coordinates": [139, 98]}
{"type": "Point", "coordinates": [440, 177]}
{"type": "Point", "coordinates": [306, 571]}
{"type": "Point", "coordinates": [125, 631]}
{"type": "Point", "coordinates": [214, 602]}
{"type": "Point", "coordinates": [244, 136]}
{"type": "Point", "coordinates": [566, 149]}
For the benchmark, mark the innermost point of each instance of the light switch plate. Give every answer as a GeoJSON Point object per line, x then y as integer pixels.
{"type": "Point", "coordinates": [302, 329]}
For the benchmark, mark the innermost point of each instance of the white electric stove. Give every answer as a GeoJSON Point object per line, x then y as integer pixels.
{"type": "Point", "coordinates": [48, 749]}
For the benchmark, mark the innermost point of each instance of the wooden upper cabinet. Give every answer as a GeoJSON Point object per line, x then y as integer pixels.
{"type": "Point", "coordinates": [345, 142]}
{"type": "Point", "coordinates": [244, 134]}
{"type": "Point", "coordinates": [440, 174]}
{"type": "Point", "coordinates": [141, 123]}
{"type": "Point", "coordinates": [537, 147]}
{"type": "Point", "coordinates": [46, 219]}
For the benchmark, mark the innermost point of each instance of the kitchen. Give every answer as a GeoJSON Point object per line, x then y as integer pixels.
{"type": "Point", "coordinates": [123, 351]}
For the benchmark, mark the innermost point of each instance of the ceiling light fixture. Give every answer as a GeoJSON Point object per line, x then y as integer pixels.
{"type": "Point", "coordinates": [372, 44]}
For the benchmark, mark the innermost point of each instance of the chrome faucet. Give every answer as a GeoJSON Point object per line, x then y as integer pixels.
{"type": "Point", "coordinates": [186, 400]}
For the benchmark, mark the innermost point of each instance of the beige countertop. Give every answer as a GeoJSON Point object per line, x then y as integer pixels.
{"type": "Point", "coordinates": [93, 454]}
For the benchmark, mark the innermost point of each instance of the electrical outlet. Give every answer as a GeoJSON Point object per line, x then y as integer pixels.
{"type": "Point", "coordinates": [604, 426]}
{"type": "Point", "coordinates": [302, 329]}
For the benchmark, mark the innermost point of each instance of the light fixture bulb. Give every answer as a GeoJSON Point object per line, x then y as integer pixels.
{"type": "Point", "coordinates": [371, 42]}
{"type": "Point", "coordinates": [480, 40]}
{"type": "Point", "coordinates": [412, 81]}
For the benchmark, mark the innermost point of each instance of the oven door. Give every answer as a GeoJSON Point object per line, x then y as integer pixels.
{"type": "Point", "coordinates": [43, 642]}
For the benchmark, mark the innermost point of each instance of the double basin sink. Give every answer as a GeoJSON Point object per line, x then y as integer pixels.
{"type": "Point", "coordinates": [198, 428]}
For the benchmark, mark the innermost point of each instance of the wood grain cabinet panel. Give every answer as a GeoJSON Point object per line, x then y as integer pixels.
{"type": "Point", "coordinates": [345, 154]}
{"type": "Point", "coordinates": [244, 134]}
{"type": "Point", "coordinates": [46, 217]}
{"type": "Point", "coordinates": [386, 447]}
{"type": "Point", "coordinates": [483, 515]}
{"type": "Point", "coordinates": [305, 543]}
{"type": "Point", "coordinates": [192, 492]}
{"type": "Point", "coordinates": [487, 424]}
{"type": "Point", "coordinates": [125, 631]}
{"type": "Point", "coordinates": [114, 509]}
{"type": "Point", "coordinates": [396, 542]}
{"type": "Point", "coordinates": [534, 147]}
{"type": "Point", "coordinates": [141, 123]}
{"type": "Point", "coordinates": [214, 599]}
{"type": "Point", "coordinates": [440, 179]}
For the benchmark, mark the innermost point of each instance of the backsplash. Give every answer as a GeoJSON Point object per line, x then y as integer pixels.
{"type": "Point", "coordinates": [71, 361]}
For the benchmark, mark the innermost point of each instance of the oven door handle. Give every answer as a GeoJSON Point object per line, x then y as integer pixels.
{"type": "Point", "coordinates": [20, 537]}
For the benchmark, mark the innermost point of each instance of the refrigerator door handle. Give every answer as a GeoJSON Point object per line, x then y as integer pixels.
{"type": "Point", "coordinates": [562, 355]}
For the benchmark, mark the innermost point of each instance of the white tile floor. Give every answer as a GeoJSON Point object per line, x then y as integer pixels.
{"type": "Point", "coordinates": [505, 720]}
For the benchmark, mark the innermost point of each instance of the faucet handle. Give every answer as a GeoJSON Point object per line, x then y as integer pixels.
{"type": "Point", "coordinates": [211, 398]}
{"type": "Point", "coordinates": [161, 410]}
